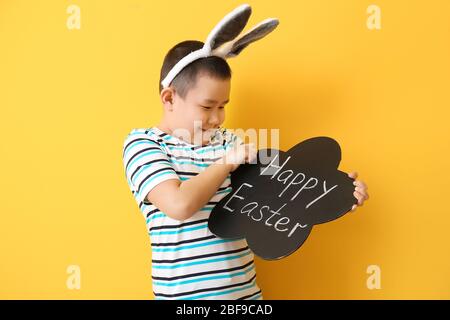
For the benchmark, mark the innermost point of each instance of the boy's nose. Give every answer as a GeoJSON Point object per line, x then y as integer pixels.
{"type": "Point", "coordinates": [214, 121]}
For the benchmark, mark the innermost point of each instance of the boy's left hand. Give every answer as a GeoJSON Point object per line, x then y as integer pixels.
{"type": "Point", "coordinates": [360, 192]}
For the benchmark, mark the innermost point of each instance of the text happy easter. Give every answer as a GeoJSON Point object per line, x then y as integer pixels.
{"type": "Point", "coordinates": [275, 219]}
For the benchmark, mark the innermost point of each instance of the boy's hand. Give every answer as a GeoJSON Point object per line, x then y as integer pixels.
{"type": "Point", "coordinates": [360, 192]}
{"type": "Point", "coordinates": [240, 154]}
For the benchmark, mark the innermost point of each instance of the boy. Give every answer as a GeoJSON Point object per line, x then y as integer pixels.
{"type": "Point", "coordinates": [181, 168]}
{"type": "Point", "coordinates": [178, 170]}
{"type": "Point", "coordinates": [177, 182]}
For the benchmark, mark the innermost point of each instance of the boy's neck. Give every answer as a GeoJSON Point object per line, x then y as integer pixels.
{"type": "Point", "coordinates": [165, 128]}
{"type": "Point", "coordinates": [168, 130]}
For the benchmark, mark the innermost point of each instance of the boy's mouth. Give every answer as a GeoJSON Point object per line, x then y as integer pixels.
{"type": "Point", "coordinates": [208, 133]}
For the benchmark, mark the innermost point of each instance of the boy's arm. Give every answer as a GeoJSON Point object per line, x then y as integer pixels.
{"type": "Point", "coordinates": [181, 200]}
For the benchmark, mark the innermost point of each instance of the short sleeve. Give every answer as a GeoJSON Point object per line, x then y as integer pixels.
{"type": "Point", "coordinates": [146, 164]}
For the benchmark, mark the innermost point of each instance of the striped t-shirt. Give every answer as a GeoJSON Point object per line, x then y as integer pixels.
{"type": "Point", "coordinates": [188, 261]}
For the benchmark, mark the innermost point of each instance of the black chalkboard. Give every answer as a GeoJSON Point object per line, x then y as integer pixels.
{"type": "Point", "coordinates": [276, 201]}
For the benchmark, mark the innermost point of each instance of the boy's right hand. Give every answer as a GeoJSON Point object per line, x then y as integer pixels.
{"type": "Point", "coordinates": [239, 154]}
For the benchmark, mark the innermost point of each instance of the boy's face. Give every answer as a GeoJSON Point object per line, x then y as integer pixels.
{"type": "Point", "coordinates": [202, 111]}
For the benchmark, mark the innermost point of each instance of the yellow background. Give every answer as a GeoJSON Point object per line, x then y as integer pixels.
{"type": "Point", "coordinates": [68, 98]}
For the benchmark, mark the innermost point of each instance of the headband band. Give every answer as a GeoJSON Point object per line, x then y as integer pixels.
{"type": "Point", "coordinates": [222, 41]}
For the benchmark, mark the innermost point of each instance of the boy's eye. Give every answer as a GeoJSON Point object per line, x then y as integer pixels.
{"type": "Point", "coordinates": [209, 108]}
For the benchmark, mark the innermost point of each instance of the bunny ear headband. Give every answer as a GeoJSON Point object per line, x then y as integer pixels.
{"type": "Point", "coordinates": [223, 42]}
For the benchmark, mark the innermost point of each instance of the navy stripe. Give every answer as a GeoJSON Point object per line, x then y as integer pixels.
{"type": "Point", "coordinates": [250, 295]}
{"type": "Point", "coordinates": [190, 275]}
{"type": "Point", "coordinates": [204, 290]}
{"type": "Point", "coordinates": [193, 159]}
{"type": "Point", "coordinates": [201, 256]}
{"type": "Point", "coordinates": [192, 148]}
{"type": "Point", "coordinates": [162, 244]}
{"type": "Point", "coordinates": [142, 151]}
{"type": "Point", "coordinates": [144, 164]}
{"type": "Point", "coordinates": [176, 226]}
{"type": "Point", "coordinates": [152, 212]}
{"type": "Point", "coordinates": [135, 140]}
{"type": "Point", "coordinates": [151, 175]}
{"type": "Point", "coordinates": [186, 173]}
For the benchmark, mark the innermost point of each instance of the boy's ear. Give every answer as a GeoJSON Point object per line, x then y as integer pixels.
{"type": "Point", "coordinates": [167, 96]}
{"type": "Point", "coordinates": [259, 31]}
{"type": "Point", "coordinates": [229, 27]}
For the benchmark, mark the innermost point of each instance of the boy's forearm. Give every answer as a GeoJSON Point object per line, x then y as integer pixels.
{"type": "Point", "coordinates": [198, 190]}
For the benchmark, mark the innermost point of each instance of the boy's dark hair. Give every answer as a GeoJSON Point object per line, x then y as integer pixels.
{"type": "Point", "coordinates": [185, 80]}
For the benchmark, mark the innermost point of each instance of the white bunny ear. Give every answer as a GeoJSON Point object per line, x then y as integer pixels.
{"type": "Point", "coordinates": [229, 27]}
{"type": "Point", "coordinates": [261, 30]}
{"type": "Point", "coordinates": [222, 41]}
